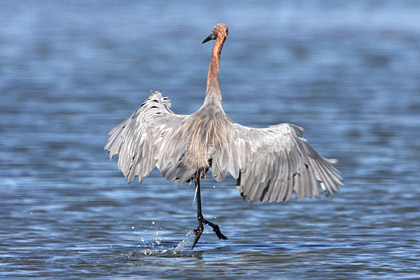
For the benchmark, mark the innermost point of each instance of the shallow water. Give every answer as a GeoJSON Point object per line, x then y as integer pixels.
{"type": "Point", "coordinates": [347, 72]}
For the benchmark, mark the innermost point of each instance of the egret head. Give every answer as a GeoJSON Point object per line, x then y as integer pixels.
{"type": "Point", "coordinates": [219, 31]}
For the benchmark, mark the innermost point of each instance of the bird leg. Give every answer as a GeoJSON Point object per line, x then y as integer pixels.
{"type": "Point", "coordinates": [199, 230]}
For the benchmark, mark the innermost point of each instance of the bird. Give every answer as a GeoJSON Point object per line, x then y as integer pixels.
{"type": "Point", "coordinates": [269, 164]}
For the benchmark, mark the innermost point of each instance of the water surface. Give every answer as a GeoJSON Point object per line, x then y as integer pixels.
{"type": "Point", "coordinates": [71, 71]}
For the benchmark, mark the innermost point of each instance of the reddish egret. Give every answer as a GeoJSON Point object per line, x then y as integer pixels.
{"type": "Point", "coordinates": [269, 163]}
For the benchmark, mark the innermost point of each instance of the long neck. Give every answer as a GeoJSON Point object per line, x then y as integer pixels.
{"type": "Point", "coordinates": [213, 89]}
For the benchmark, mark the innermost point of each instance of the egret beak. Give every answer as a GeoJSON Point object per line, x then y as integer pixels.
{"type": "Point", "coordinates": [210, 37]}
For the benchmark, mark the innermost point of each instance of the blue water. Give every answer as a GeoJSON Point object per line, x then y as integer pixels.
{"type": "Point", "coordinates": [70, 71]}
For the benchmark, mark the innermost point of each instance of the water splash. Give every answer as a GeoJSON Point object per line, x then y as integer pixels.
{"type": "Point", "coordinates": [186, 243]}
{"type": "Point", "coordinates": [150, 249]}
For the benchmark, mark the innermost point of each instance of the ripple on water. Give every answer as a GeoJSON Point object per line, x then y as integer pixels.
{"type": "Point", "coordinates": [67, 78]}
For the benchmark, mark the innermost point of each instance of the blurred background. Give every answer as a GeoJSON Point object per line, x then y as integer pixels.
{"type": "Point", "coordinates": [347, 71]}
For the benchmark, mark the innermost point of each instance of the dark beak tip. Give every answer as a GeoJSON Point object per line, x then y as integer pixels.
{"type": "Point", "coordinates": [210, 37]}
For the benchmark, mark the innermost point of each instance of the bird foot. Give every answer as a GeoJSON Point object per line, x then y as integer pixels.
{"type": "Point", "coordinates": [216, 229]}
{"type": "Point", "coordinates": [199, 230]}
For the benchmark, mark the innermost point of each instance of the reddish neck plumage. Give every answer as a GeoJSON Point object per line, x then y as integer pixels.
{"type": "Point", "coordinates": [213, 88]}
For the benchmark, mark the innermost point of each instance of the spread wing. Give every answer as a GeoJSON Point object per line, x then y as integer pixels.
{"type": "Point", "coordinates": [269, 163]}
{"type": "Point", "coordinates": [272, 163]}
{"type": "Point", "coordinates": [145, 139]}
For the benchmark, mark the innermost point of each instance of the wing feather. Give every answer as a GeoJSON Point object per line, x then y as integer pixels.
{"type": "Point", "coordinates": [145, 139]}
{"type": "Point", "coordinates": [275, 162]}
